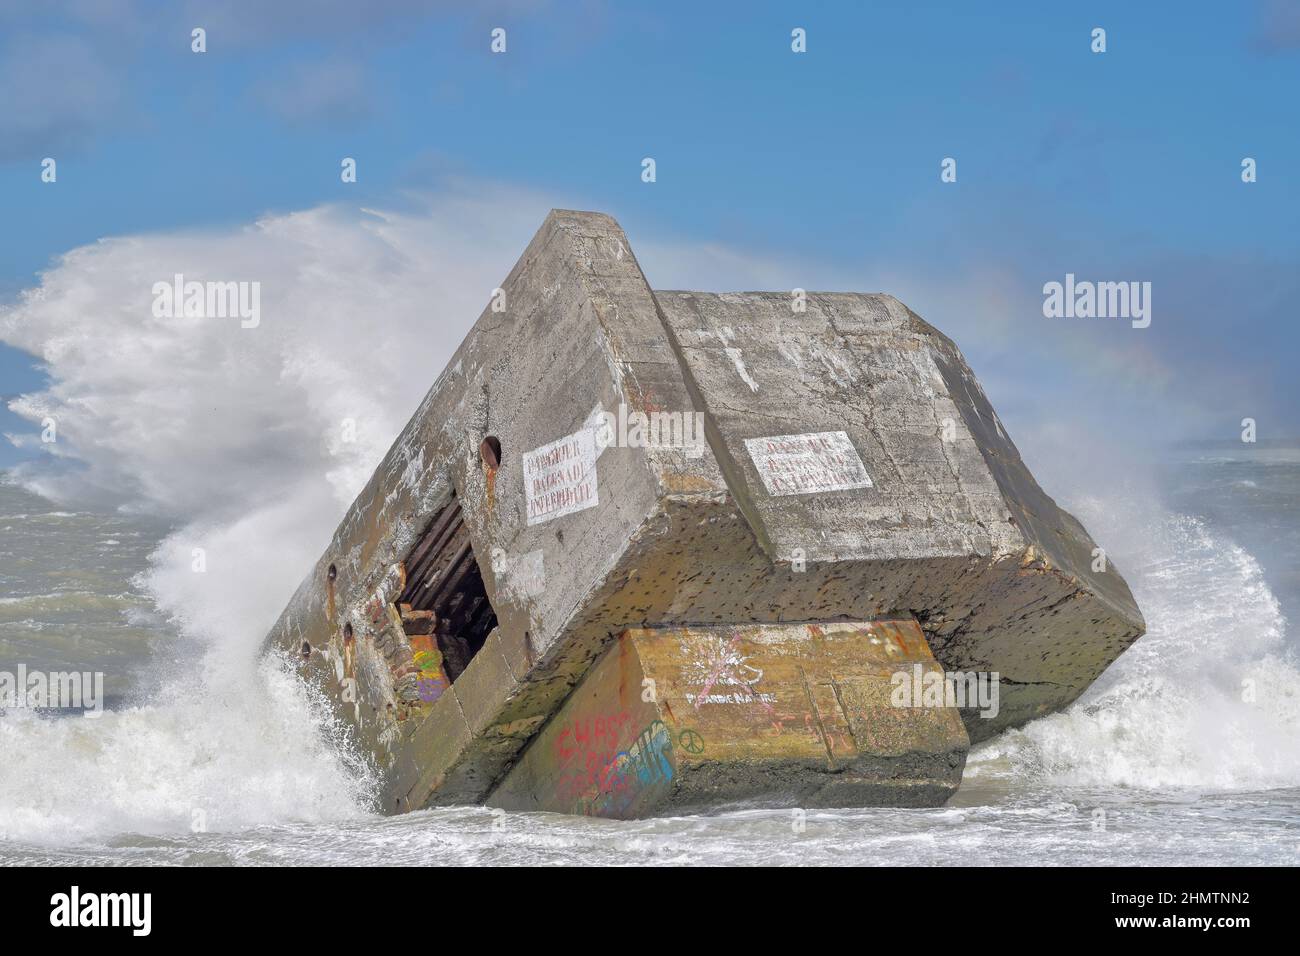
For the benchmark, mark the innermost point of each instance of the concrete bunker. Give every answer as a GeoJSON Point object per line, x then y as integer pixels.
{"type": "Point", "coordinates": [517, 611]}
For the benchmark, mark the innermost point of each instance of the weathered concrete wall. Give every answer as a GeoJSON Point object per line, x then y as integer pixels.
{"type": "Point", "coordinates": [784, 715]}
{"type": "Point", "coordinates": [908, 501]}
{"type": "Point", "coordinates": [953, 528]}
{"type": "Point", "coordinates": [580, 331]}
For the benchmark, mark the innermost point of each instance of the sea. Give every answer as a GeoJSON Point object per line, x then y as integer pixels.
{"type": "Point", "coordinates": [1185, 752]}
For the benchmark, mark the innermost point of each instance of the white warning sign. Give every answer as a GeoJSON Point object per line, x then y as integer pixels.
{"type": "Point", "coordinates": [560, 478]}
{"type": "Point", "coordinates": [806, 464]}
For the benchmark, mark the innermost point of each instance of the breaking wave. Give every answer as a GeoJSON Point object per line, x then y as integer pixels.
{"type": "Point", "coordinates": [1208, 699]}
{"type": "Point", "coordinates": [209, 756]}
{"type": "Point", "coordinates": [249, 444]}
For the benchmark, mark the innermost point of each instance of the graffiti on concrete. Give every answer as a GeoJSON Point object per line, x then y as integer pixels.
{"type": "Point", "coordinates": [585, 748]}
{"type": "Point", "coordinates": [432, 681]}
{"type": "Point", "coordinates": [691, 742]}
{"type": "Point", "coordinates": [719, 665]}
{"type": "Point", "coordinates": [642, 769]}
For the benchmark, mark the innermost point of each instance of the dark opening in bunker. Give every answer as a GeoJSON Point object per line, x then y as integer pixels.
{"type": "Point", "coordinates": [445, 596]}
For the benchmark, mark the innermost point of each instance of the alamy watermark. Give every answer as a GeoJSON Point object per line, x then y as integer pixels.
{"type": "Point", "coordinates": [208, 300]}
{"type": "Point", "coordinates": [52, 690]}
{"type": "Point", "coordinates": [919, 687]}
{"type": "Point", "coordinates": [1100, 300]}
{"type": "Point", "coordinates": [635, 429]}
{"type": "Point", "coordinates": [75, 908]}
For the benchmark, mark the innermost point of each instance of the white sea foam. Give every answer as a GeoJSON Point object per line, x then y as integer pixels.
{"type": "Point", "coordinates": [1175, 709]}
{"type": "Point", "coordinates": [209, 755]}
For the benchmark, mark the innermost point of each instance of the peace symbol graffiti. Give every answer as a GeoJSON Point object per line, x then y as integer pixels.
{"type": "Point", "coordinates": [691, 742]}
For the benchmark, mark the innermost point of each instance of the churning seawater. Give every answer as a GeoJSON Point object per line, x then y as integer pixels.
{"type": "Point", "coordinates": [1166, 760]}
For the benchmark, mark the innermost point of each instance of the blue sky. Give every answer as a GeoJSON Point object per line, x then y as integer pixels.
{"type": "Point", "coordinates": [1115, 166]}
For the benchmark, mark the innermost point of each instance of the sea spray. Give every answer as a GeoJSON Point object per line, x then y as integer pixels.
{"type": "Point", "coordinates": [1208, 699]}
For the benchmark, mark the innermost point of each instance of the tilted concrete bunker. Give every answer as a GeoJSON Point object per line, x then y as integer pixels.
{"type": "Point", "coordinates": [642, 552]}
